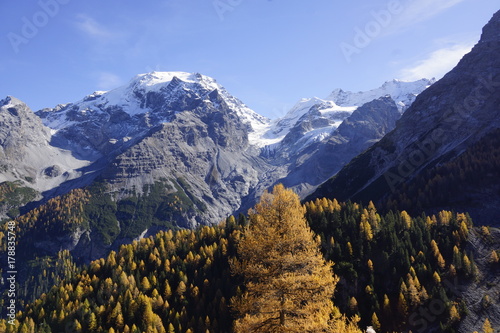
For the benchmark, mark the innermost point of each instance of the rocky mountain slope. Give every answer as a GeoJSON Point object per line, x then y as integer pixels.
{"type": "Point", "coordinates": [444, 121]}
{"type": "Point", "coordinates": [186, 132]}
{"type": "Point", "coordinates": [481, 296]}
{"type": "Point", "coordinates": [26, 150]}
{"type": "Point", "coordinates": [104, 122]}
{"type": "Point", "coordinates": [182, 129]}
{"type": "Point", "coordinates": [334, 129]}
{"type": "Point", "coordinates": [316, 118]}
{"type": "Point", "coordinates": [363, 127]}
{"type": "Point", "coordinates": [30, 164]}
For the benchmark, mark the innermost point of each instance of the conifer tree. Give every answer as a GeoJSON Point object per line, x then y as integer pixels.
{"type": "Point", "coordinates": [288, 283]}
{"type": "Point", "coordinates": [402, 306]}
{"type": "Point", "coordinates": [487, 328]}
{"type": "Point", "coordinates": [375, 322]}
{"type": "Point", "coordinates": [454, 315]}
{"type": "Point", "coordinates": [494, 257]}
{"type": "Point", "coordinates": [353, 304]}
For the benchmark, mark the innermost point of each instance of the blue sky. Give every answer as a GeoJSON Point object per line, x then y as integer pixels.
{"type": "Point", "coordinates": [268, 53]}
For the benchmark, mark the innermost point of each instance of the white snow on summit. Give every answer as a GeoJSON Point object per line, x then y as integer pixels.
{"type": "Point", "coordinates": [338, 106]}
{"type": "Point", "coordinates": [262, 131]}
{"type": "Point", "coordinates": [280, 127]}
{"type": "Point", "coordinates": [403, 93]}
{"type": "Point", "coordinates": [130, 98]}
{"type": "Point", "coordinates": [158, 81]}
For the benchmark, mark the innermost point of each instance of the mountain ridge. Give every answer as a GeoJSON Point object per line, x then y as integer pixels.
{"type": "Point", "coordinates": [453, 114]}
{"type": "Point", "coordinates": [189, 127]}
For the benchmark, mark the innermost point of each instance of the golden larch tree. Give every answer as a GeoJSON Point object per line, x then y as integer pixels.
{"type": "Point", "coordinates": [288, 284]}
{"type": "Point", "coordinates": [487, 328]}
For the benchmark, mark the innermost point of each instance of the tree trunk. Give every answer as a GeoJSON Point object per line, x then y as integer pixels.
{"type": "Point", "coordinates": [282, 312]}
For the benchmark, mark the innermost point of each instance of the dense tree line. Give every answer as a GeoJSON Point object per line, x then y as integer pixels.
{"type": "Point", "coordinates": [388, 268]}
{"type": "Point", "coordinates": [450, 183]}
{"type": "Point", "coordinates": [393, 265]}
{"type": "Point", "coordinates": [173, 282]}
{"type": "Point", "coordinates": [13, 195]}
{"type": "Point", "coordinates": [40, 231]}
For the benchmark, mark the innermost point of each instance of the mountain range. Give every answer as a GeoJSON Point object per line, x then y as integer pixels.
{"type": "Point", "coordinates": [187, 133]}
{"type": "Point", "coordinates": [175, 149]}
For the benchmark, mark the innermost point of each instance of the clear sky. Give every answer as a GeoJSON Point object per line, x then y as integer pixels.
{"type": "Point", "coordinates": [268, 53]}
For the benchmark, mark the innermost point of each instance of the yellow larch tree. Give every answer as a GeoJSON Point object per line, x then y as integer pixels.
{"type": "Point", "coordinates": [288, 284]}
{"type": "Point", "coordinates": [487, 328]}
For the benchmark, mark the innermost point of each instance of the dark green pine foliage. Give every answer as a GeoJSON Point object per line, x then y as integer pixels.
{"type": "Point", "coordinates": [380, 257]}
{"type": "Point", "coordinates": [455, 183]}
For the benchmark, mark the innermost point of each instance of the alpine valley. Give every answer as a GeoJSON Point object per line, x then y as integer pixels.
{"type": "Point", "coordinates": [124, 195]}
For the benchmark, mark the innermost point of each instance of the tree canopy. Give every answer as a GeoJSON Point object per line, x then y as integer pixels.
{"type": "Point", "coordinates": [288, 283]}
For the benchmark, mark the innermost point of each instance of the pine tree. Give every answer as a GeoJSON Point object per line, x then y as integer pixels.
{"type": "Point", "coordinates": [387, 306]}
{"type": "Point", "coordinates": [467, 265]}
{"type": "Point", "coordinates": [365, 228]}
{"type": "Point", "coordinates": [487, 327]}
{"type": "Point", "coordinates": [402, 306]}
{"type": "Point", "coordinates": [406, 219]}
{"type": "Point", "coordinates": [167, 291]}
{"type": "Point", "coordinates": [375, 322]}
{"type": "Point", "coordinates": [288, 283]}
{"type": "Point", "coordinates": [92, 325]}
{"type": "Point", "coordinates": [181, 288]}
{"type": "Point", "coordinates": [370, 265]}
{"type": "Point", "coordinates": [494, 257]}
{"type": "Point", "coordinates": [353, 304]}
{"type": "Point", "coordinates": [145, 284]}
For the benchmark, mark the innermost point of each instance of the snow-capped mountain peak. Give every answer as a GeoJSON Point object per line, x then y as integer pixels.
{"type": "Point", "coordinates": [282, 126]}
{"type": "Point", "coordinates": [10, 101]}
{"type": "Point", "coordinates": [156, 96]}
{"type": "Point", "coordinates": [327, 114]}
{"type": "Point", "coordinates": [402, 92]}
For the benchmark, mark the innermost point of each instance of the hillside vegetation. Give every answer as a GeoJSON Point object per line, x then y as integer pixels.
{"type": "Point", "coordinates": [392, 270]}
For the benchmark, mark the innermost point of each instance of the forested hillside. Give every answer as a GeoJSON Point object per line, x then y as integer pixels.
{"type": "Point", "coordinates": [392, 268]}
{"type": "Point", "coordinates": [469, 181]}
{"type": "Point", "coordinates": [173, 282]}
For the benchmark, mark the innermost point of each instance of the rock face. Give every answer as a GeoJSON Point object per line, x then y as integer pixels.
{"type": "Point", "coordinates": [27, 155]}
{"type": "Point", "coordinates": [183, 129]}
{"type": "Point", "coordinates": [445, 120]}
{"type": "Point", "coordinates": [21, 135]}
{"type": "Point", "coordinates": [318, 137]}
{"type": "Point", "coordinates": [204, 151]}
{"type": "Point", "coordinates": [365, 126]}
{"type": "Point", "coordinates": [108, 122]}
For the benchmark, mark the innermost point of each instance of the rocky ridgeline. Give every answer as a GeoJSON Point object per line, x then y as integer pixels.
{"type": "Point", "coordinates": [187, 132]}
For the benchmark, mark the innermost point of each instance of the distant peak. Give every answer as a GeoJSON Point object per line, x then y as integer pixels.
{"type": "Point", "coordinates": [399, 82]}
{"type": "Point", "coordinates": [10, 100]}
{"type": "Point", "coordinates": [165, 77]}
{"type": "Point", "coordinates": [402, 92]}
